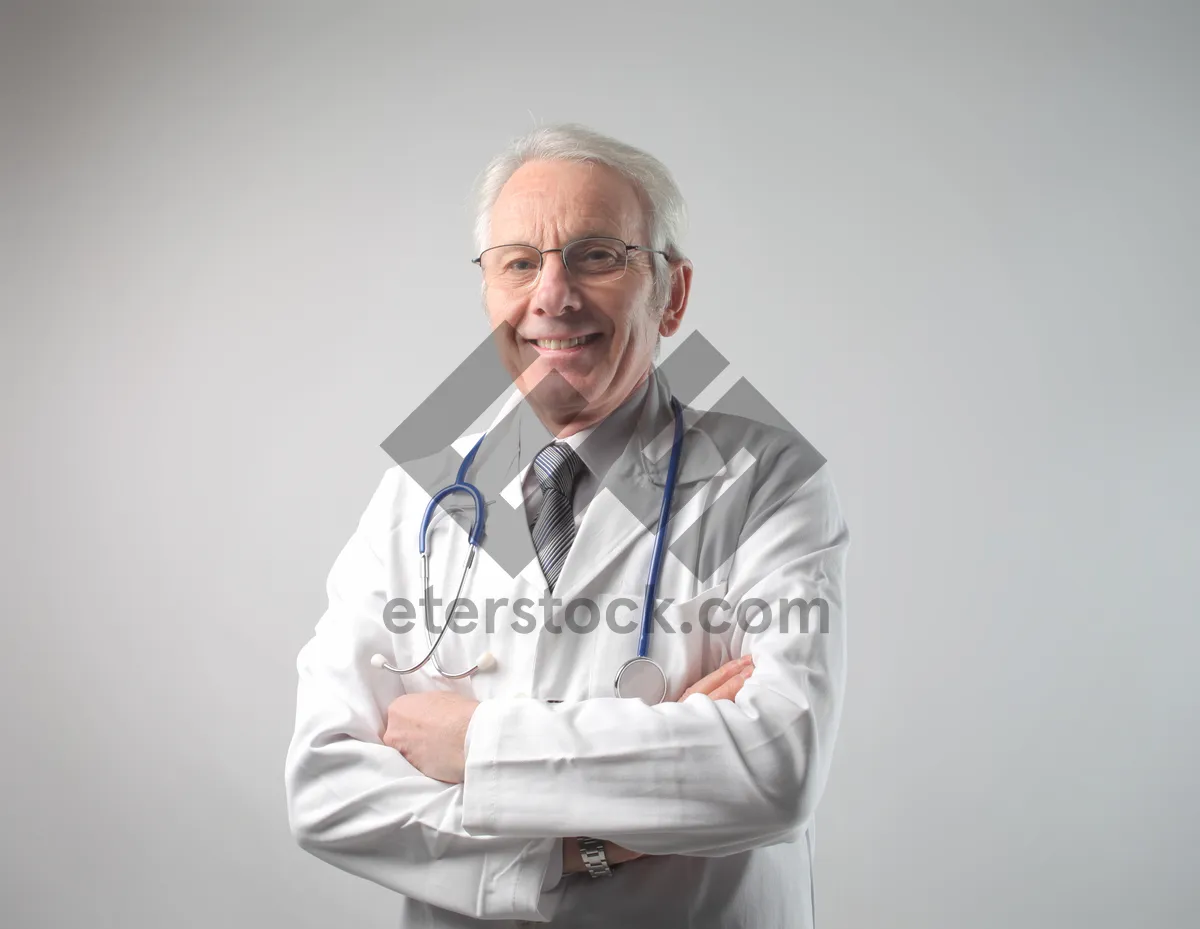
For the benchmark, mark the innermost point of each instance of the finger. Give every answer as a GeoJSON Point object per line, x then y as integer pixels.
{"type": "Point", "coordinates": [727, 672]}
{"type": "Point", "coordinates": [718, 677]}
{"type": "Point", "coordinates": [709, 683]}
{"type": "Point", "coordinates": [730, 688]}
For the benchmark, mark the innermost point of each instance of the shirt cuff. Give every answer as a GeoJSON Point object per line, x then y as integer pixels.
{"type": "Point", "coordinates": [554, 870]}
{"type": "Point", "coordinates": [521, 888]}
{"type": "Point", "coordinates": [480, 747]}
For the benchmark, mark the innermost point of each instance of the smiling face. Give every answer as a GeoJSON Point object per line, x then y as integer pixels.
{"type": "Point", "coordinates": [599, 337]}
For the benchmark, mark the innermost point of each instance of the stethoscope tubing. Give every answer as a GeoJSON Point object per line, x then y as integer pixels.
{"type": "Point", "coordinates": [462, 485]}
{"type": "Point", "coordinates": [660, 536]}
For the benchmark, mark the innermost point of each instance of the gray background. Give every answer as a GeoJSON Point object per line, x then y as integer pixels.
{"type": "Point", "coordinates": [954, 243]}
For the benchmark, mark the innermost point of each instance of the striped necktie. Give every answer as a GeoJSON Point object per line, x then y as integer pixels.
{"type": "Point", "coordinates": [556, 467]}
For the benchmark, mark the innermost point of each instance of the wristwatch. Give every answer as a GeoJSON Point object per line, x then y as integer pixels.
{"type": "Point", "coordinates": [594, 858]}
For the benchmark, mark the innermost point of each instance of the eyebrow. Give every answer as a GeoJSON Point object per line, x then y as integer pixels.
{"type": "Point", "coordinates": [575, 238]}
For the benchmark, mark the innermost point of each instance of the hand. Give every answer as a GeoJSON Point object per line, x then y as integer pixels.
{"type": "Point", "coordinates": [725, 682]}
{"type": "Point", "coordinates": [430, 730]}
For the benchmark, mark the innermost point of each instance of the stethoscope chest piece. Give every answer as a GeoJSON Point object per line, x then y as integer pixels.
{"type": "Point", "coordinates": [641, 678]}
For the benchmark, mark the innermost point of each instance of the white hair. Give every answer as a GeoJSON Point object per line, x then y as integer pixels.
{"type": "Point", "coordinates": [662, 203]}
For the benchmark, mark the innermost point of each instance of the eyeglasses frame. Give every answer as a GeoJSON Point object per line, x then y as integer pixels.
{"type": "Point", "coordinates": [543, 252]}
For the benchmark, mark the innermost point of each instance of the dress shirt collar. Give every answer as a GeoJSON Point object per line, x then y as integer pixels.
{"type": "Point", "coordinates": [599, 445]}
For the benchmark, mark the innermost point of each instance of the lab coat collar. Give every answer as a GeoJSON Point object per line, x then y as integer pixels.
{"type": "Point", "coordinates": [599, 446]}
{"type": "Point", "coordinates": [516, 435]}
{"type": "Point", "coordinates": [701, 460]}
{"type": "Point", "coordinates": [636, 480]}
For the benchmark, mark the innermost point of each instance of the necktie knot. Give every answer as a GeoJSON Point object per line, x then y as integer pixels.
{"type": "Point", "coordinates": [557, 466]}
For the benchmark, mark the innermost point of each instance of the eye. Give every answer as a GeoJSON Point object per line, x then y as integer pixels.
{"type": "Point", "coordinates": [592, 256]}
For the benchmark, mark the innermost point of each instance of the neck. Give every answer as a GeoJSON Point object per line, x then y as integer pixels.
{"type": "Point", "coordinates": [564, 421]}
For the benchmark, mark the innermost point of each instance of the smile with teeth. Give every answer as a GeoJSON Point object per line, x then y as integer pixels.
{"type": "Point", "coordinates": [556, 344]}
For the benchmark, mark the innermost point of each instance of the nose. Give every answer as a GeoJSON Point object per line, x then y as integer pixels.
{"type": "Point", "coordinates": [556, 292]}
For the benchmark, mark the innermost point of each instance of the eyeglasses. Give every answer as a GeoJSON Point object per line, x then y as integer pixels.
{"type": "Point", "coordinates": [598, 259]}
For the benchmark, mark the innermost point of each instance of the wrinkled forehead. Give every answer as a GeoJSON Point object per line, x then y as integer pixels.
{"type": "Point", "coordinates": [548, 203]}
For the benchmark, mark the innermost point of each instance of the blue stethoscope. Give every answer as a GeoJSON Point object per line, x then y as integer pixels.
{"type": "Point", "coordinates": [640, 676]}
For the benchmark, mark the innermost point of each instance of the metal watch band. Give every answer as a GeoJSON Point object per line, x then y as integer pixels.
{"type": "Point", "coordinates": [594, 858]}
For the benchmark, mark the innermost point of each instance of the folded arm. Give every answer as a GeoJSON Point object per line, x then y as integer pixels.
{"type": "Point", "coordinates": [699, 777]}
{"type": "Point", "coordinates": [355, 802]}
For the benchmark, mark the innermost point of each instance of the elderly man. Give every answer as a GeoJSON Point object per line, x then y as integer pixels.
{"type": "Point", "coordinates": [527, 788]}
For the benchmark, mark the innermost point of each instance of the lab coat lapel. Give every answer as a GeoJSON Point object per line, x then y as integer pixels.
{"type": "Point", "coordinates": [626, 506]}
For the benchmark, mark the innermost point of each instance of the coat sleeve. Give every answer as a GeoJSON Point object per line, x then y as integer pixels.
{"type": "Point", "coordinates": [700, 777]}
{"type": "Point", "coordinates": [355, 802]}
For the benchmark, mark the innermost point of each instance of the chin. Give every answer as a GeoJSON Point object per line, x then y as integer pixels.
{"type": "Point", "coordinates": [566, 394]}
{"type": "Point", "coordinates": [542, 371]}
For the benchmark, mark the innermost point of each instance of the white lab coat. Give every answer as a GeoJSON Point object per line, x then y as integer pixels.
{"type": "Point", "coordinates": [719, 795]}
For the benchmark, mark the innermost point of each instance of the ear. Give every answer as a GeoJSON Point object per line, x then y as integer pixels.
{"type": "Point", "coordinates": [681, 286]}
